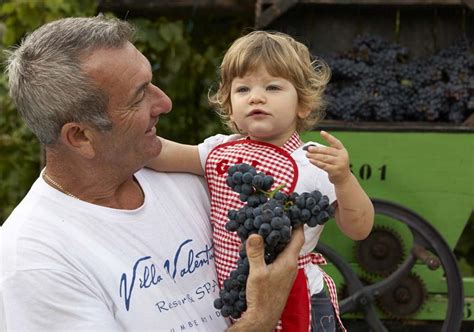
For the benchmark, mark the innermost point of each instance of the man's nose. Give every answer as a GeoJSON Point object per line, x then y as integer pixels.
{"type": "Point", "coordinates": [161, 103]}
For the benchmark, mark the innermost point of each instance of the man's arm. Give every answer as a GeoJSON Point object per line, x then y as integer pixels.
{"type": "Point", "coordinates": [268, 286]}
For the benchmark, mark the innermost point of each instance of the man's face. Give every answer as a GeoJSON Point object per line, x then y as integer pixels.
{"type": "Point", "coordinates": [134, 106]}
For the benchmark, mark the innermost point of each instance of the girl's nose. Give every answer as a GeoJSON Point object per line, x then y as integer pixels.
{"type": "Point", "coordinates": [256, 97]}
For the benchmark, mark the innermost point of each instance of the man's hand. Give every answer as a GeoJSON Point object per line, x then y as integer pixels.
{"type": "Point", "coordinates": [334, 159]}
{"type": "Point", "coordinates": [268, 286]}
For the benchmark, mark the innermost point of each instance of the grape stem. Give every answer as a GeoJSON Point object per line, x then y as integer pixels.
{"type": "Point", "coordinates": [272, 193]}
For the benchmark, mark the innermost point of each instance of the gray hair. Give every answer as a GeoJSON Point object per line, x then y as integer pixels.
{"type": "Point", "coordinates": [46, 81]}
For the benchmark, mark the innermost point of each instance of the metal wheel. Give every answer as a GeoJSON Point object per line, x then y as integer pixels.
{"type": "Point", "coordinates": [428, 246]}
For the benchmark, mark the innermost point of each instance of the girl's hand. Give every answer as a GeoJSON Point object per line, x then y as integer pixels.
{"type": "Point", "coordinates": [333, 159]}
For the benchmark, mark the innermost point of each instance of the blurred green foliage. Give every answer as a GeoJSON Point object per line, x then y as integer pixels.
{"type": "Point", "coordinates": [184, 61]}
{"type": "Point", "coordinates": [185, 72]}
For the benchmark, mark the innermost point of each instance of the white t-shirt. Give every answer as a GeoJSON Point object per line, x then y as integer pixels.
{"type": "Point", "coordinates": [310, 178]}
{"type": "Point", "coordinates": [68, 265]}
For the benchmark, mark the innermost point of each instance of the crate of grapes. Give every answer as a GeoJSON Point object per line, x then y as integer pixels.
{"type": "Point", "coordinates": [401, 99]}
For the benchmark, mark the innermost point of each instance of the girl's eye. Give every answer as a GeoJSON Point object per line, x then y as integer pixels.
{"type": "Point", "coordinates": [241, 89]}
{"type": "Point", "coordinates": [273, 87]}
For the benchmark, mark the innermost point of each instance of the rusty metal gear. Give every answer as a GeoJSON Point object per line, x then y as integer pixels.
{"type": "Point", "coordinates": [405, 299]}
{"type": "Point", "coordinates": [381, 252]}
{"type": "Point", "coordinates": [343, 291]}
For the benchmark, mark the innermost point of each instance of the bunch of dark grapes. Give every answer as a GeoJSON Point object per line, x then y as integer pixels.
{"type": "Point", "coordinates": [269, 213]}
{"type": "Point", "coordinates": [377, 81]}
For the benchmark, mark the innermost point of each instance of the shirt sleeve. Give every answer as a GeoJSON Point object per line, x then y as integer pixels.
{"type": "Point", "coordinates": [313, 177]}
{"type": "Point", "coordinates": [210, 143]}
{"type": "Point", "coordinates": [61, 302]}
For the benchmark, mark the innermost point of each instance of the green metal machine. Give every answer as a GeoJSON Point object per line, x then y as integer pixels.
{"type": "Point", "coordinates": [421, 180]}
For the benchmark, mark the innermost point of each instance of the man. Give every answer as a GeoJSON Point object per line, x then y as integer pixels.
{"type": "Point", "coordinates": [99, 243]}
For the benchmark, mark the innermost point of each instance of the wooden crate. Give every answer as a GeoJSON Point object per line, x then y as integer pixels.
{"type": "Point", "coordinates": [331, 25]}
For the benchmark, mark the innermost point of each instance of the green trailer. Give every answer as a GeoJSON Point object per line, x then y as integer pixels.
{"type": "Point", "coordinates": [421, 180]}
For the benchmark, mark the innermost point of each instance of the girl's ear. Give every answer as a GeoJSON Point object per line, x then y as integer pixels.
{"type": "Point", "coordinates": [303, 112]}
{"type": "Point", "coordinates": [231, 118]}
{"type": "Point", "coordinates": [231, 113]}
{"type": "Point", "coordinates": [236, 128]}
{"type": "Point", "coordinates": [234, 124]}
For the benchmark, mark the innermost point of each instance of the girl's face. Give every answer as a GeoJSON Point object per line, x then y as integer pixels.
{"type": "Point", "coordinates": [265, 107]}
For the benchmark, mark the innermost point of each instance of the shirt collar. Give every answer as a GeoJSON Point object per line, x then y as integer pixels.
{"type": "Point", "coordinates": [293, 143]}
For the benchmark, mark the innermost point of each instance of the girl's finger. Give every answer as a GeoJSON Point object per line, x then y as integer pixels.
{"type": "Point", "coordinates": [321, 149]}
{"type": "Point", "coordinates": [319, 164]}
{"type": "Point", "coordinates": [327, 159]}
{"type": "Point", "coordinates": [332, 140]}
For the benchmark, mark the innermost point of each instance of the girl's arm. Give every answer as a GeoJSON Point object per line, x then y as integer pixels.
{"type": "Point", "coordinates": [177, 157]}
{"type": "Point", "coordinates": [354, 212]}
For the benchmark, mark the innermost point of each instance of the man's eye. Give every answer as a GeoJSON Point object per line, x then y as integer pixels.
{"type": "Point", "coordinates": [141, 99]}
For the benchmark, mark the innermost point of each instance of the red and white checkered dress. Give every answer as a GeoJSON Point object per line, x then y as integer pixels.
{"type": "Point", "coordinates": [277, 162]}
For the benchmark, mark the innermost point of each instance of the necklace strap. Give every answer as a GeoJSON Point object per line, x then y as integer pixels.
{"type": "Point", "coordinates": [57, 185]}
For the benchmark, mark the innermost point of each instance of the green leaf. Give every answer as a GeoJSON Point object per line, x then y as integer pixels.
{"type": "Point", "coordinates": [172, 31]}
{"type": "Point", "coordinates": [7, 8]}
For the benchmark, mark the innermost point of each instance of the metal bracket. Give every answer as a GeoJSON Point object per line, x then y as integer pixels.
{"type": "Point", "coordinates": [469, 4]}
{"type": "Point", "coordinates": [268, 15]}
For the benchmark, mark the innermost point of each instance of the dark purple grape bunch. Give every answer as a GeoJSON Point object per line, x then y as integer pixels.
{"type": "Point", "coordinates": [232, 297]}
{"type": "Point", "coordinates": [269, 213]}
{"type": "Point", "coordinates": [311, 209]}
{"type": "Point", "coordinates": [244, 180]}
{"type": "Point", "coordinates": [268, 219]}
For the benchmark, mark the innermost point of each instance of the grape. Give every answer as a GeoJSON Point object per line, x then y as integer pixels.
{"type": "Point", "coordinates": [232, 226]}
{"type": "Point", "coordinates": [273, 238]}
{"type": "Point", "coordinates": [218, 304]}
{"type": "Point", "coordinates": [264, 230]}
{"type": "Point", "coordinates": [271, 214]}
{"type": "Point", "coordinates": [276, 223]}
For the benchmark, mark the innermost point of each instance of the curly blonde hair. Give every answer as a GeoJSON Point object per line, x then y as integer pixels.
{"type": "Point", "coordinates": [282, 56]}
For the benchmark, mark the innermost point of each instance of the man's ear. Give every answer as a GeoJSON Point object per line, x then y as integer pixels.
{"type": "Point", "coordinates": [79, 137]}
